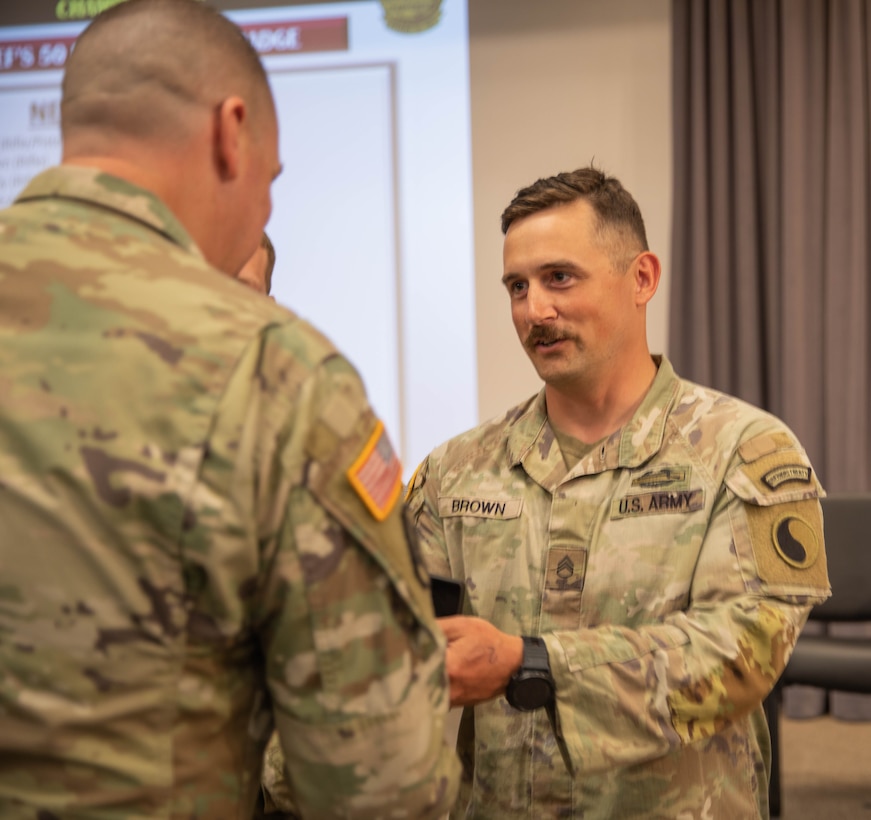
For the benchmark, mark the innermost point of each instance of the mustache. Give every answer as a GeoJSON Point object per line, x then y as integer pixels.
{"type": "Point", "coordinates": [545, 335]}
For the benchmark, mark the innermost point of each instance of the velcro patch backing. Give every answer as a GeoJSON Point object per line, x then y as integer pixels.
{"type": "Point", "coordinates": [376, 474]}
{"type": "Point", "coordinates": [765, 445]}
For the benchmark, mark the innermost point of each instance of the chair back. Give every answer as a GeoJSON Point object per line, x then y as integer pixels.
{"type": "Point", "coordinates": [847, 528]}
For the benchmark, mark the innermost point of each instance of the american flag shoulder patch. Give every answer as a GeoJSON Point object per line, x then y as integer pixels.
{"type": "Point", "coordinates": [376, 474]}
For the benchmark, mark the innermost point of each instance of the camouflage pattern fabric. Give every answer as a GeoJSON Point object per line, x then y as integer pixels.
{"type": "Point", "coordinates": [185, 563]}
{"type": "Point", "coordinates": [669, 571]}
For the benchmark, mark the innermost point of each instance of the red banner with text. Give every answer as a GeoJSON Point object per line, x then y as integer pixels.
{"type": "Point", "coordinates": [282, 37]}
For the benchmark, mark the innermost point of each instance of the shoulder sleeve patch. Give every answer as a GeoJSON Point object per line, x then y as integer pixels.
{"type": "Point", "coordinates": [411, 484]}
{"type": "Point", "coordinates": [376, 474]}
{"type": "Point", "coordinates": [788, 543]}
{"type": "Point", "coordinates": [781, 495]}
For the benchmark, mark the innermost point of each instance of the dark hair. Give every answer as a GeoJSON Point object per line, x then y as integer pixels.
{"type": "Point", "coordinates": [616, 211]}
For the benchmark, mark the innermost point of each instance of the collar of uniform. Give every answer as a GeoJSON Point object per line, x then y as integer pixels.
{"type": "Point", "coordinates": [532, 444]}
{"type": "Point", "coordinates": [97, 187]}
{"type": "Point", "coordinates": [642, 436]}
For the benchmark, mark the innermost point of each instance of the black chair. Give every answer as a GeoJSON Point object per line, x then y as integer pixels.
{"type": "Point", "coordinates": [842, 664]}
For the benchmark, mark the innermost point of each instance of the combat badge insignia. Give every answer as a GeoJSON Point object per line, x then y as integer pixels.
{"type": "Point", "coordinates": [376, 474]}
{"type": "Point", "coordinates": [676, 478]}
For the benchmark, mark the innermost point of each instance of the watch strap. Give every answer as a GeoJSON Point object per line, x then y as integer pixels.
{"type": "Point", "coordinates": [535, 655]}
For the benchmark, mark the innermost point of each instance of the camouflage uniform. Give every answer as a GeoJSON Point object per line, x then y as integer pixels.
{"type": "Point", "coordinates": [199, 531]}
{"type": "Point", "coordinates": [669, 572]}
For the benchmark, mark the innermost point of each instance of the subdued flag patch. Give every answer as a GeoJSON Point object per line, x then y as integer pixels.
{"type": "Point", "coordinates": [376, 474]}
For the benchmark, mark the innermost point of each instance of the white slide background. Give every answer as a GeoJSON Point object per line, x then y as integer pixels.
{"type": "Point", "coordinates": [372, 217]}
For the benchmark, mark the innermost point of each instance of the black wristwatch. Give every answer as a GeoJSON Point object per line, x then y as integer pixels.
{"type": "Point", "coordinates": [531, 686]}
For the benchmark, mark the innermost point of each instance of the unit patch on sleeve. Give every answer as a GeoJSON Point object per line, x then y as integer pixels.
{"type": "Point", "coordinates": [376, 474]}
{"type": "Point", "coordinates": [795, 541]}
{"type": "Point", "coordinates": [787, 542]}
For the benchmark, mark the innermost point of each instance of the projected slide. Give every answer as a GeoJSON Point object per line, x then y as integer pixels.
{"type": "Point", "coordinates": [372, 218]}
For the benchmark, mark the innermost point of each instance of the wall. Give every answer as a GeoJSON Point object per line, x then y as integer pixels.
{"type": "Point", "coordinates": [556, 84]}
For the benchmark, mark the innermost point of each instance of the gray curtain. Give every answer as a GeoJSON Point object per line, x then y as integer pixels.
{"type": "Point", "coordinates": [771, 245]}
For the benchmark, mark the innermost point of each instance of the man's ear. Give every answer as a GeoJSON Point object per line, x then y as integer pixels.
{"type": "Point", "coordinates": [647, 272]}
{"type": "Point", "coordinates": [230, 118]}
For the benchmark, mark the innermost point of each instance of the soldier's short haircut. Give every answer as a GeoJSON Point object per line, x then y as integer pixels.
{"type": "Point", "coordinates": [141, 62]}
{"type": "Point", "coordinates": [617, 212]}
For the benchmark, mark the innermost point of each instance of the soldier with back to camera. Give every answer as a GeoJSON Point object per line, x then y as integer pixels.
{"type": "Point", "coordinates": [201, 538]}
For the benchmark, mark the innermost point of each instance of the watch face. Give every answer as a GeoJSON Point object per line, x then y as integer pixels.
{"type": "Point", "coordinates": [530, 691]}
{"type": "Point", "coordinates": [532, 686]}
{"type": "Point", "coordinates": [537, 692]}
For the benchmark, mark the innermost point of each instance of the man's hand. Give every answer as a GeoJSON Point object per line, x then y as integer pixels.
{"type": "Point", "coordinates": [481, 659]}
